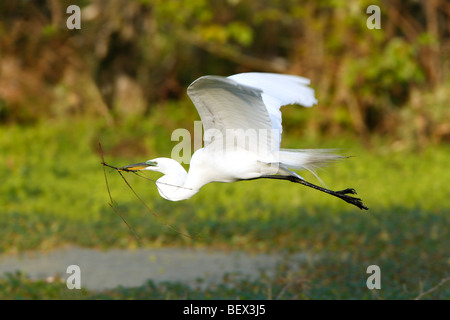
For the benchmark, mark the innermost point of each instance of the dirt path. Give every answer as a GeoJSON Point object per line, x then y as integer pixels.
{"type": "Point", "coordinates": [129, 268]}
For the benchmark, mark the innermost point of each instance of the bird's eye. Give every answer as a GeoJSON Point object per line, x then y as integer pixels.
{"type": "Point", "coordinates": [151, 163]}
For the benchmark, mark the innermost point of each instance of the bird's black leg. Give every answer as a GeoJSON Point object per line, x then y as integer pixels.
{"type": "Point", "coordinates": [342, 194]}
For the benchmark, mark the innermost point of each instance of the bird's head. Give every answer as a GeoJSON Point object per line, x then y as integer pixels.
{"type": "Point", "coordinates": [163, 165]}
{"type": "Point", "coordinates": [151, 165]}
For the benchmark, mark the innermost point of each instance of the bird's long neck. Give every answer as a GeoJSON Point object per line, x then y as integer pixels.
{"type": "Point", "coordinates": [174, 185]}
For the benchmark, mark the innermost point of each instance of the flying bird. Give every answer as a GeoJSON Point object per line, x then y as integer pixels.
{"type": "Point", "coordinates": [241, 119]}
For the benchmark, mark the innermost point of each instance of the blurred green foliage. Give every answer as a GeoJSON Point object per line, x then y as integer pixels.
{"type": "Point", "coordinates": [130, 56]}
{"type": "Point", "coordinates": [54, 193]}
{"type": "Point", "coordinates": [53, 186]}
{"type": "Point", "coordinates": [121, 81]}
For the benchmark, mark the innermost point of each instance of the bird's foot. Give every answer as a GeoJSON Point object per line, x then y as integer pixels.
{"type": "Point", "coordinates": [347, 191]}
{"type": "Point", "coordinates": [343, 194]}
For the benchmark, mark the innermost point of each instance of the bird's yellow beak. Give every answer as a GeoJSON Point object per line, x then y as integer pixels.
{"type": "Point", "coordinates": [134, 167]}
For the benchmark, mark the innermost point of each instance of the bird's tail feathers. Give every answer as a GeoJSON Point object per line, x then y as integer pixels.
{"type": "Point", "coordinates": [307, 159]}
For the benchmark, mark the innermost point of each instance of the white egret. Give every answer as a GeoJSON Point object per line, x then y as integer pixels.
{"type": "Point", "coordinates": [241, 119]}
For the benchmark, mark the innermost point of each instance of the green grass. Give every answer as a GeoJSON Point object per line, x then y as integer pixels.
{"type": "Point", "coordinates": [53, 193]}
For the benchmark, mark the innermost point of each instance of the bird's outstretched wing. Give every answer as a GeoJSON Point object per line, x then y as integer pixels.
{"type": "Point", "coordinates": [248, 102]}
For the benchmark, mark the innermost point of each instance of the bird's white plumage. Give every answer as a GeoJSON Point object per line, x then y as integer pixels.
{"type": "Point", "coordinates": [229, 105]}
{"type": "Point", "coordinates": [284, 89]}
{"type": "Point", "coordinates": [249, 101]}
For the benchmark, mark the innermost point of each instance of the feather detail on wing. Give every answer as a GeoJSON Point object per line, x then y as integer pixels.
{"type": "Point", "coordinates": [247, 104]}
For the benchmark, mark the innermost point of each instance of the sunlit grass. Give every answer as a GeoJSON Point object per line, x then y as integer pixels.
{"type": "Point", "coordinates": [53, 193]}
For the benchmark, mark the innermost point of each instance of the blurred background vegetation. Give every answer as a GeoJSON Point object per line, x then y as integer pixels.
{"type": "Point", "coordinates": [131, 56]}
{"type": "Point", "coordinates": [121, 80]}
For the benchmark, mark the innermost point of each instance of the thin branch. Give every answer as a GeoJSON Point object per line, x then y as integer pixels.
{"type": "Point", "coordinates": [137, 196]}
{"type": "Point", "coordinates": [136, 236]}
{"type": "Point", "coordinates": [152, 212]}
{"type": "Point", "coordinates": [432, 289]}
{"type": "Point", "coordinates": [104, 171]}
